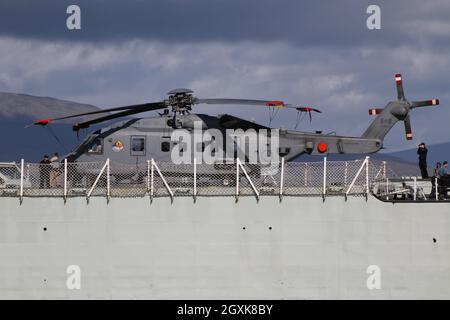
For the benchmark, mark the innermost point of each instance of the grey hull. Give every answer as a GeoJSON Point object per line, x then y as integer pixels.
{"type": "Point", "coordinates": [301, 248]}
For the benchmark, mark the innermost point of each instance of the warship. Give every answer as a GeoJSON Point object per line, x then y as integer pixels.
{"type": "Point", "coordinates": [98, 226]}
{"type": "Point", "coordinates": [305, 235]}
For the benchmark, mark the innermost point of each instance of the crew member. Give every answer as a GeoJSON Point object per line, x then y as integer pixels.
{"type": "Point", "coordinates": [44, 172]}
{"type": "Point", "coordinates": [55, 157]}
{"type": "Point", "coordinates": [443, 171]}
{"type": "Point", "coordinates": [54, 172]}
{"type": "Point", "coordinates": [422, 152]}
{"type": "Point", "coordinates": [444, 179]}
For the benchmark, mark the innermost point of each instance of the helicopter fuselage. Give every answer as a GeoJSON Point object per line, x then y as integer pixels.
{"type": "Point", "coordinates": [135, 141]}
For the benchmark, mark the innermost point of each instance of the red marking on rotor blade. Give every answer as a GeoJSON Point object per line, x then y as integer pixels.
{"type": "Point", "coordinates": [434, 102]}
{"type": "Point", "coordinates": [409, 136]}
{"type": "Point", "coordinates": [275, 103]}
{"type": "Point", "coordinates": [307, 109]}
{"type": "Point", "coordinates": [375, 111]}
{"type": "Point", "coordinates": [43, 122]}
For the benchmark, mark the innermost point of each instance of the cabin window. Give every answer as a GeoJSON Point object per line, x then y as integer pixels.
{"type": "Point", "coordinates": [137, 146]}
{"type": "Point", "coordinates": [165, 146]}
{"type": "Point", "coordinates": [96, 147]}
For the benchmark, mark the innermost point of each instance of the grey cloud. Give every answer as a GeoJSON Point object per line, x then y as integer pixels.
{"type": "Point", "coordinates": [303, 23]}
{"type": "Point", "coordinates": [344, 83]}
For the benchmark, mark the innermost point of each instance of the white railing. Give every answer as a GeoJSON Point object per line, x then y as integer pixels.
{"type": "Point", "coordinates": [110, 179]}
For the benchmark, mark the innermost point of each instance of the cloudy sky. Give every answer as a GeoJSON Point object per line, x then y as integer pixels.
{"type": "Point", "coordinates": [317, 53]}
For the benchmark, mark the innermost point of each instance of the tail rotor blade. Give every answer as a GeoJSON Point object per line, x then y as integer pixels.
{"type": "Point", "coordinates": [425, 103]}
{"type": "Point", "coordinates": [375, 111]}
{"type": "Point", "coordinates": [399, 83]}
{"type": "Point", "coordinates": [408, 130]}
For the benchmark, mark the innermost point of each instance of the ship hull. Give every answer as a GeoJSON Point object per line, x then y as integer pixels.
{"type": "Point", "coordinates": [216, 248]}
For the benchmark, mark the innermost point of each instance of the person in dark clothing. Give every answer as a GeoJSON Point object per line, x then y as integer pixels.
{"type": "Point", "coordinates": [44, 172]}
{"type": "Point", "coordinates": [422, 152]}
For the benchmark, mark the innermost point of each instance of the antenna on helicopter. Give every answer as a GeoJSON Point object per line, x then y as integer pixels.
{"type": "Point", "coordinates": [301, 113]}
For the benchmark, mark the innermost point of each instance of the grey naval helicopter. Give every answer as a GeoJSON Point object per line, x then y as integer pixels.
{"type": "Point", "coordinates": [134, 141]}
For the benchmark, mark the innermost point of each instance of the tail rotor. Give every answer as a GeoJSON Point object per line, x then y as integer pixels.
{"type": "Point", "coordinates": [396, 111]}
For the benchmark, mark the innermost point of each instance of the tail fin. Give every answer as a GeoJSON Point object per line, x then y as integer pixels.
{"type": "Point", "coordinates": [394, 112]}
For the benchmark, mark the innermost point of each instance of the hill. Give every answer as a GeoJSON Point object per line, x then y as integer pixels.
{"type": "Point", "coordinates": [436, 153]}
{"type": "Point", "coordinates": [14, 105]}
{"type": "Point", "coordinates": [19, 110]}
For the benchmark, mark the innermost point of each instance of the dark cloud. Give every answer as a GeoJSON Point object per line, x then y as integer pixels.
{"type": "Point", "coordinates": [303, 23]}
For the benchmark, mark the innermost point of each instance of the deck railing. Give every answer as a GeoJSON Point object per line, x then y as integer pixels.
{"type": "Point", "coordinates": [162, 179]}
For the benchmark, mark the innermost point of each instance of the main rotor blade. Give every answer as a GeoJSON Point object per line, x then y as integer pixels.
{"type": "Point", "coordinates": [399, 83]}
{"type": "Point", "coordinates": [425, 103]}
{"type": "Point", "coordinates": [267, 103]}
{"type": "Point", "coordinates": [408, 130]}
{"type": "Point", "coordinates": [135, 110]}
{"type": "Point", "coordinates": [151, 106]}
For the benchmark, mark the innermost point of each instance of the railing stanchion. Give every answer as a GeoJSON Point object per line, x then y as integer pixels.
{"type": "Point", "coordinates": [367, 177]}
{"type": "Point", "coordinates": [237, 180]}
{"type": "Point", "coordinates": [365, 163]}
{"type": "Point", "coordinates": [152, 180]}
{"type": "Point", "coordinates": [148, 176]}
{"type": "Point", "coordinates": [154, 165]}
{"type": "Point", "coordinates": [105, 166]}
{"type": "Point", "coordinates": [195, 180]}
{"type": "Point", "coordinates": [22, 174]}
{"type": "Point", "coordinates": [239, 164]}
{"type": "Point", "coordinates": [437, 188]}
{"type": "Point", "coordinates": [282, 178]}
{"type": "Point", "coordinates": [108, 180]}
{"type": "Point", "coordinates": [324, 190]}
{"type": "Point", "coordinates": [65, 180]}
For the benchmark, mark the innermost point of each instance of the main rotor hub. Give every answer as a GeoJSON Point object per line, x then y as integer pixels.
{"type": "Point", "coordinates": [180, 100]}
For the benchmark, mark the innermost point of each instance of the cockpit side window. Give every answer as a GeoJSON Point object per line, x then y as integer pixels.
{"type": "Point", "coordinates": [96, 147]}
{"type": "Point", "coordinates": [138, 146]}
{"type": "Point", "coordinates": [165, 146]}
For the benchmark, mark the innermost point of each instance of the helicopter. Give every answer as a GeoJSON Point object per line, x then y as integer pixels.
{"type": "Point", "coordinates": [136, 140]}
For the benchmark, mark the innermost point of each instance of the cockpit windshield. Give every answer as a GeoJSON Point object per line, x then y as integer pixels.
{"type": "Point", "coordinates": [96, 146]}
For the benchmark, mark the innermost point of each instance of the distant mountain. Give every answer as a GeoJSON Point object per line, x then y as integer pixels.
{"type": "Point", "coordinates": [14, 105]}
{"type": "Point", "coordinates": [19, 110]}
{"type": "Point", "coordinates": [436, 153]}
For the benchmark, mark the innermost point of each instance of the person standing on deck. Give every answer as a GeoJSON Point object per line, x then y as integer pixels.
{"type": "Point", "coordinates": [44, 172]}
{"type": "Point", "coordinates": [422, 152]}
